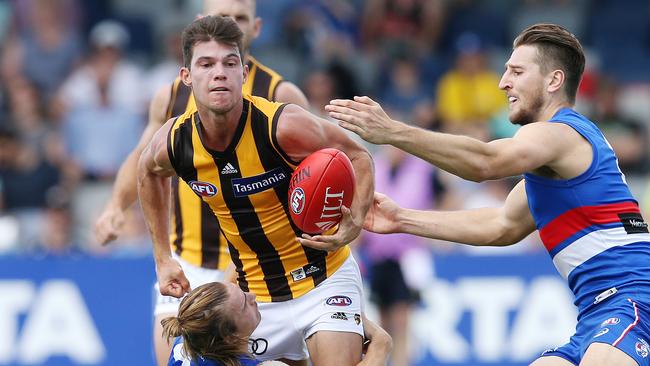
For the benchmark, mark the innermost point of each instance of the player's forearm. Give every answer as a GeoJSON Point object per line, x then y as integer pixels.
{"type": "Point", "coordinates": [463, 156]}
{"type": "Point", "coordinates": [365, 184]}
{"type": "Point", "coordinates": [125, 190]}
{"type": "Point", "coordinates": [479, 227]}
{"type": "Point", "coordinates": [153, 191]}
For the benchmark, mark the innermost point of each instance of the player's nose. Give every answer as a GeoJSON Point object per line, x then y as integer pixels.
{"type": "Point", "coordinates": [504, 83]}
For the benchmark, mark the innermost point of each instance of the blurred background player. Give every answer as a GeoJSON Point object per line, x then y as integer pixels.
{"type": "Point", "coordinates": [195, 235]}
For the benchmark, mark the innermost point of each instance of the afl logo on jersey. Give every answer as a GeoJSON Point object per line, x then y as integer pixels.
{"type": "Point", "coordinates": [339, 301]}
{"type": "Point", "coordinates": [297, 200]}
{"type": "Point", "coordinates": [203, 189]}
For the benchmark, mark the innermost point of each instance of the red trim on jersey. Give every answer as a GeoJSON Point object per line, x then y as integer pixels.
{"type": "Point", "coordinates": [572, 221]}
{"type": "Point", "coordinates": [629, 327]}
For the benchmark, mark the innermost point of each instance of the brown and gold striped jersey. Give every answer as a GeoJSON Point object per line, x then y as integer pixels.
{"type": "Point", "coordinates": [195, 235]}
{"type": "Point", "coordinates": [246, 187]}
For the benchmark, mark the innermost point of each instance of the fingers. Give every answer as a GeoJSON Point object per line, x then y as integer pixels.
{"type": "Point", "coordinates": [350, 127]}
{"type": "Point", "coordinates": [345, 211]}
{"type": "Point", "coordinates": [176, 288]}
{"type": "Point", "coordinates": [346, 114]}
{"type": "Point", "coordinates": [104, 232]}
{"type": "Point", "coordinates": [366, 100]}
{"type": "Point", "coordinates": [185, 284]}
{"type": "Point", "coordinates": [328, 243]}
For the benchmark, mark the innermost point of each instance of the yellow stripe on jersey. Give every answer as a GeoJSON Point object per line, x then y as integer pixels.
{"type": "Point", "coordinates": [195, 234]}
{"type": "Point", "coordinates": [246, 186]}
{"type": "Point", "coordinates": [261, 81]}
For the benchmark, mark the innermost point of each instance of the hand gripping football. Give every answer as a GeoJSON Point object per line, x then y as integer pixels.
{"type": "Point", "coordinates": [320, 185]}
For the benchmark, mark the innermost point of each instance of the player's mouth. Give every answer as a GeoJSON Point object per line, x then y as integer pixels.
{"type": "Point", "coordinates": [219, 89]}
{"type": "Point", "coordinates": [512, 100]}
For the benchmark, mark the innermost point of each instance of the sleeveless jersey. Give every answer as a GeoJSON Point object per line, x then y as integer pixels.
{"type": "Point", "coordinates": [246, 187]}
{"type": "Point", "coordinates": [178, 358]}
{"type": "Point", "coordinates": [591, 225]}
{"type": "Point", "coordinates": [195, 234]}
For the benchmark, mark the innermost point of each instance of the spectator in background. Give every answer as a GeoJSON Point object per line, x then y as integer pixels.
{"type": "Point", "coordinates": [322, 30]}
{"type": "Point", "coordinates": [56, 233]}
{"type": "Point", "coordinates": [167, 68]}
{"type": "Point", "coordinates": [320, 87]}
{"type": "Point", "coordinates": [326, 83]}
{"type": "Point", "coordinates": [399, 264]}
{"type": "Point", "coordinates": [26, 178]}
{"type": "Point", "coordinates": [103, 107]}
{"type": "Point", "coordinates": [468, 94]}
{"type": "Point", "coordinates": [404, 89]}
{"type": "Point", "coordinates": [628, 137]}
{"type": "Point", "coordinates": [390, 24]}
{"type": "Point", "coordinates": [45, 44]}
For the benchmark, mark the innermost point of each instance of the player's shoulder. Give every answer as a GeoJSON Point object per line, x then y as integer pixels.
{"type": "Point", "coordinates": [267, 106]}
{"type": "Point", "coordinates": [256, 63]}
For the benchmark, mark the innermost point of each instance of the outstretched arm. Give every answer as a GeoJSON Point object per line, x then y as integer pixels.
{"type": "Point", "coordinates": [125, 191]}
{"type": "Point", "coordinates": [299, 134]}
{"type": "Point", "coordinates": [154, 170]}
{"type": "Point", "coordinates": [482, 227]}
{"type": "Point", "coordinates": [534, 145]}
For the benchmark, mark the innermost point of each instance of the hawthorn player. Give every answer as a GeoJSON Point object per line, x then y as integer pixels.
{"type": "Point", "coordinates": [261, 142]}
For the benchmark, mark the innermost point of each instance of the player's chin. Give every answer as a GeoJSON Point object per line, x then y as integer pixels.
{"type": "Point", "coordinates": [219, 105]}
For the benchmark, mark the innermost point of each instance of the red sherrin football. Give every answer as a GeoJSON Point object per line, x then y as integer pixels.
{"type": "Point", "coordinates": [319, 186]}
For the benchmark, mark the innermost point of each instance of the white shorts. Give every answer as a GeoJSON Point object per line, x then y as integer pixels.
{"type": "Point", "coordinates": [197, 277]}
{"type": "Point", "coordinates": [334, 305]}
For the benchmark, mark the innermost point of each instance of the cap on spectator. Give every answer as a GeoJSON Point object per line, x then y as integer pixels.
{"type": "Point", "coordinates": [109, 33]}
{"type": "Point", "coordinates": [468, 43]}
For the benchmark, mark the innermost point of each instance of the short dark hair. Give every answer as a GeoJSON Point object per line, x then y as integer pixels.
{"type": "Point", "coordinates": [210, 28]}
{"type": "Point", "coordinates": [556, 48]}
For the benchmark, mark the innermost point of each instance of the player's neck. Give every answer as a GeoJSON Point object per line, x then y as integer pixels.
{"type": "Point", "coordinates": [218, 129]}
{"type": "Point", "coordinates": [547, 112]}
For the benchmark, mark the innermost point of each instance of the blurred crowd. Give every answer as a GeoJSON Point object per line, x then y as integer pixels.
{"type": "Point", "coordinates": [76, 78]}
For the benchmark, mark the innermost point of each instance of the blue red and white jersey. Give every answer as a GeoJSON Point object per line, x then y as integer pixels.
{"type": "Point", "coordinates": [591, 225]}
{"type": "Point", "coordinates": [178, 358]}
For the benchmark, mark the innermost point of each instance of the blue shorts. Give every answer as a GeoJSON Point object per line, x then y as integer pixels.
{"type": "Point", "coordinates": [620, 321]}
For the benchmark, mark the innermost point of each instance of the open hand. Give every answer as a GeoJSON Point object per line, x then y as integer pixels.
{"type": "Point", "coordinates": [382, 215]}
{"type": "Point", "coordinates": [365, 117]}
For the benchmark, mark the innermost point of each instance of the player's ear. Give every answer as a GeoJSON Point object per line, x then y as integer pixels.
{"type": "Point", "coordinates": [186, 78]}
{"type": "Point", "coordinates": [556, 80]}
{"type": "Point", "coordinates": [257, 27]}
{"type": "Point", "coordinates": [245, 68]}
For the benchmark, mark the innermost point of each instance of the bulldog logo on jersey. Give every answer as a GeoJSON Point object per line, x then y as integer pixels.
{"type": "Point", "coordinates": [203, 189]}
{"type": "Point", "coordinates": [642, 348]}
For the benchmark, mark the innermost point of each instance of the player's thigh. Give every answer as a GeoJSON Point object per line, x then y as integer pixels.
{"type": "Point", "coordinates": [602, 354]}
{"type": "Point", "coordinates": [551, 361]}
{"type": "Point", "coordinates": [162, 347]}
{"type": "Point", "coordinates": [328, 348]}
